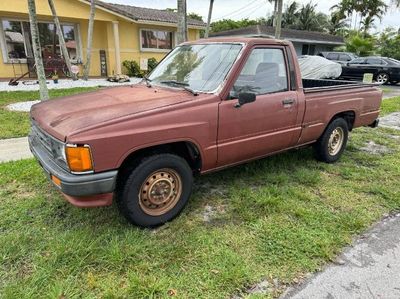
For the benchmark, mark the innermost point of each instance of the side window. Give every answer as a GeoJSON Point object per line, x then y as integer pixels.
{"type": "Point", "coordinates": [344, 57]}
{"type": "Point", "coordinates": [374, 61]}
{"type": "Point", "coordinates": [264, 72]}
{"type": "Point", "coordinates": [357, 61]}
{"type": "Point", "coordinates": [332, 56]}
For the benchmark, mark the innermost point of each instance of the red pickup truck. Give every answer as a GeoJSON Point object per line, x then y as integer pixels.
{"type": "Point", "coordinates": [208, 105]}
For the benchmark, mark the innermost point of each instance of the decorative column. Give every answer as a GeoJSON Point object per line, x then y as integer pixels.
{"type": "Point", "coordinates": [117, 49]}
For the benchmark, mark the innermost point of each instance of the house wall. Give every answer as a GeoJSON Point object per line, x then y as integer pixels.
{"type": "Point", "coordinates": [318, 48]}
{"type": "Point", "coordinates": [73, 11]}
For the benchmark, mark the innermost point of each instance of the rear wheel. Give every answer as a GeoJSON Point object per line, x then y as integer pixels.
{"type": "Point", "coordinates": [382, 78]}
{"type": "Point", "coordinates": [330, 146]}
{"type": "Point", "coordinates": [156, 190]}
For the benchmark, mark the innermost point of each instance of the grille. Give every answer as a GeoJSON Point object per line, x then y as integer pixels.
{"type": "Point", "coordinates": [45, 141]}
{"type": "Point", "coordinates": [41, 138]}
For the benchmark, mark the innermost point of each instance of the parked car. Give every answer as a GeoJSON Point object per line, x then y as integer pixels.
{"type": "Point", "coordinates": [339, 57]}
{"type": "Point", "coordinates": [208, 105]}
{"type": "Point", "coordinates": [385, 70]}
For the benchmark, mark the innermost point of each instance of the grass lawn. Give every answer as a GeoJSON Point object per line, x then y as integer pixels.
{"type": "Point", "coordinates": [276, 219]}
{"type": "Point", "coordinates": [16, 124]}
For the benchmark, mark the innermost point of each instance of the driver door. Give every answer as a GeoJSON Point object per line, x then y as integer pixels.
{"type": "Point", "coordinates": [269, 123]}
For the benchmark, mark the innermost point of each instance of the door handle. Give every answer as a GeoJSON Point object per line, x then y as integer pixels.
{"type": "Point", "coordinates": [288, 102]}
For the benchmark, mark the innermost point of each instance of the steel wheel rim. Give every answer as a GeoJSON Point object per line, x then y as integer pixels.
{"type": "Point", "coordinates": [336, 140]}
{"type": "Point", "coordinates": [160, 192]}
{"type": "Point", "coordinates": [382, 78]}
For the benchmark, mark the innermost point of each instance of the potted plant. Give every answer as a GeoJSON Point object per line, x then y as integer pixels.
{"type": "Point", "coordinates": [55, 77]}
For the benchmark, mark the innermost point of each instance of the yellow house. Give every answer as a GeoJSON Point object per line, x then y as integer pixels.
{"type": "Point", "coordinates": [121, 32]}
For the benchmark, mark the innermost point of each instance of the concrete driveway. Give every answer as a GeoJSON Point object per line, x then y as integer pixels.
{"type": "Point", "coordinates": [368, 269]}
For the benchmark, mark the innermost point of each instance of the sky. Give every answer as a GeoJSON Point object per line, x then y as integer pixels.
{"type": "Point", "coordinates": [239, 9]}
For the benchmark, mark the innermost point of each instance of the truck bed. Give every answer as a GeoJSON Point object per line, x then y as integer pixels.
{"type": "Point", "coordinates": [315, 85]}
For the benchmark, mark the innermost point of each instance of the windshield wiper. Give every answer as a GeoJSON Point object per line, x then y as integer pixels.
{"type": "Point", "coordinates": [147, 80]}
{"type": "Point", "coordinates": [184, 85]}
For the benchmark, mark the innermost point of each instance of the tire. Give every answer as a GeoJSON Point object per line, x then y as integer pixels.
{"type": "Point", "coordinates": [394, 82]}
{"type": "Point", "coordinates": [330, 146]}
{"type": "Point", "coordinates": [156, 190]}
{"type": "Point", "coordinates": [382, 78]}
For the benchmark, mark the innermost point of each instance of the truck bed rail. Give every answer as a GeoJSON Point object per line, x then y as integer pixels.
{"type": "Point", "coordinates": [318, 85]}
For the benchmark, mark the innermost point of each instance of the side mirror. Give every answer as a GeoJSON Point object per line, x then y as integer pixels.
{"type": "Point", "coordinates": [245, 98]}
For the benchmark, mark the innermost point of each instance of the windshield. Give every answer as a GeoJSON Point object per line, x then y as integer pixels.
{"type": "Point", "coordinates": [200, 67]}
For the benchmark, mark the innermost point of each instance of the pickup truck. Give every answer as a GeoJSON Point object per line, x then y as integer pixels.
{"type": "Point", "coordinates": [208, 105]}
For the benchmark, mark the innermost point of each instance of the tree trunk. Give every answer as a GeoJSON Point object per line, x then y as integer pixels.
{"type": "Point", "coordinates": [182, 22]}
{"type": "Point", "coordinates": [279, 20]}
{"type": "Point", "coordinates": [37, 53]}
{"type": "Point", "coordinates": [61, 39]}
{"type": "Point", "coordinates": [209, 18]}
{"type": "Point", "coordinates": [275, 13]}
{"type": "Point", "coordinates": [89, 40]}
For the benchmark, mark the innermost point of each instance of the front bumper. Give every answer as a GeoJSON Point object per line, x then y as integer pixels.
{"type": "Point", "coordinates": [84, 190]}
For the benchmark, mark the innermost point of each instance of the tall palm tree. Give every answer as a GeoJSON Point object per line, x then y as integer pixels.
{"type": "Point", "coordinates": [86, 68]}
{"type": "Point", "coordinates": [182, 22]}
{"type": "Point", "coordinates": [337, 24]}
{"type": "Point", "coordinates": [278, 19]}
{"type": "Point", "coordinates": [290, 15]}
{"type": "Point", "coordinates": [37, 53]}
{"type": "Point", "coordinates": [209, 18]}
{"type": "Point", "coordinates": [306, 19]}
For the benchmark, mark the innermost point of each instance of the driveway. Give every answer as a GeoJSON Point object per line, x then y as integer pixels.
{"type": "Point", "coordinates": [368, 269]}
{"type": "Point", "coordinates": [391, 91]}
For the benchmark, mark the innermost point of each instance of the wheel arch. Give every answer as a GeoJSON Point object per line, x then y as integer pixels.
{"type": "Point", "coordinates": [186, 149]}
{"type": "Point", "coordinates": [349, 116]}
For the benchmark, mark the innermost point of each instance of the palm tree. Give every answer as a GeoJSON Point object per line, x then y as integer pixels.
{"type": "Point", "coordinates": [86, 68]}
{"type": "Point", "coordinates": [61, 39]}
{"type": "Point", "coordinates": [290, 15]}
{"type": "Point", "coordinates": [275, 3]}
{"type": "Point", "coordinates": [182, 22]}
{"type": "Point", "coordinates": [307, 15]}
{"type": "Point", "coordinates": [278, 19]}
{"type": "Point", "coordinates": [209, 18]}
{"type": "Point", "coordinates": [337, 25]}
{"type": "Point", "coordinates": [37, 53]}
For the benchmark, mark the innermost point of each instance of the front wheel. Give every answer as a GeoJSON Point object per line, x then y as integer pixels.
{"type": "Point", "coordinates": [156, 190]}
{"type": "Point", "coordinates": [330, 146]}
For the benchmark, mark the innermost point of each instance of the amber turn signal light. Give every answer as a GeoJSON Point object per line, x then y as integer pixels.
{"type": "Point", "coordinates": [79, 158]}
{"type": "Point", "coordinates": [56, 180]}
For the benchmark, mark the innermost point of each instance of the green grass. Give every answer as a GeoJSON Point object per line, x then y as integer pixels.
{"type": "Point", "coordinates": [279, 218]}
{"type": "Point", "coordinates": [390, 105]}
{"type": "Point", "coordinates": [16, 124]}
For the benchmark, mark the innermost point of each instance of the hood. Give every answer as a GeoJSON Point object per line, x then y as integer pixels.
{"type": "Point", "coordinates": [64, 116]}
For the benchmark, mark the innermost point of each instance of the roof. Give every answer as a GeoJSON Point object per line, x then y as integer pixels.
{"type": "Point", "coordinates": [147, 14]}
{"type": "Point", "coordinates": [289, 34]}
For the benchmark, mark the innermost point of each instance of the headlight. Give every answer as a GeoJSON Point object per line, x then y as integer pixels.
{"type": "Point", "coordinates": [79, 158]}
{"type": "Point", "coordinates": [58, 150]}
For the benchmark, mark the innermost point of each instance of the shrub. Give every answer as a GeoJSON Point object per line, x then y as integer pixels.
{"type": "Point", "coordinates": [133, 68]}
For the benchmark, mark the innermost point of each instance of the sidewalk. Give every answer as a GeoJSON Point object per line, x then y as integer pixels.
{"type": "Point", "coordinates": [368, 269]}
{"type": "Point", "coordinates": [14, 149]}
